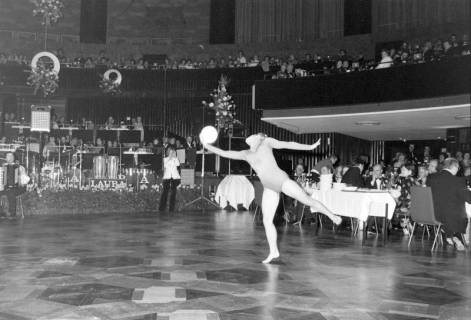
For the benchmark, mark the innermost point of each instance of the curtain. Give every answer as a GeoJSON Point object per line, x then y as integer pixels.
{"type": "Point", "coordinates": [294, 20]}
{"type": "Point", "coordinates": [410, 18]}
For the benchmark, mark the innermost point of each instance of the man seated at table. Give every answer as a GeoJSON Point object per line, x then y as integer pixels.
{"type": "Point", "coordinates": [449, 196]}
{"type": "Point", "coordinates": [353, 175]}
{"type": "Point", "coordinates": [327, 163]}
{"type": "Point", "coordinates": [376, 180]}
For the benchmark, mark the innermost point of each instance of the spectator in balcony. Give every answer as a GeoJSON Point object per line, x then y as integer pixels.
{"type": "Point", "coordinates": [405, 58]}
{"type": "Point", "coordinates": [222, 63]}
{"type": "Point", "coordinates": [3, 58]}
{"type": "Point", "coordinates": [281, 74]}
{"type": "Point", "coordinates": [465, 48]}
{"type": "Point", "coordinates": [438, 49]}
{"type": "Point", "coordinates": [60, 55]}
{"type": "Point", "coordinates": [265, 64]}
{"type": "Point", "coordinates": [427, 53]}
{"type": "Point", "coordinates": [386, 60]}
{"type": "Point", "coordinates": [292, 59]}
{"type": "Point", "coordinates": [89, 63]}
{"type": "Point", "coordinates": [212, 64]}
{"type": "Point", "coordinates": [241, 60]}
{"type": "Point", "coordinates": [255, 61]}
{"type": "Point", "coordinates": [140, 64]}
{"type": "Point", "coordinates": [290, 71]}
{"type": "Point", "coordinates": [307, 58]}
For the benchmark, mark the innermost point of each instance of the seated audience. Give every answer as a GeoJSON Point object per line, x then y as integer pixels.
{"type": "Point", "coordinates": [353, 175]}
{"type": "Point", "coordinates": [327, 163]}
{"type": "Point", "coordinates": [422, 174]}
{"type": "Point", "coordinates": [376, 180]}
{"type": "Point", "coordinates": [449, 197]}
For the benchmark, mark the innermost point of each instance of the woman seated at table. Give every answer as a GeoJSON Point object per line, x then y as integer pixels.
{"type": "Point", "coordinates": [422, 176]}
{"type": "Point", "coordinates": [404, 182]}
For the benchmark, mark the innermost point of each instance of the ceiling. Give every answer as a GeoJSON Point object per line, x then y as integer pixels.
{"type": "Point", "coordinates": [406, 120]}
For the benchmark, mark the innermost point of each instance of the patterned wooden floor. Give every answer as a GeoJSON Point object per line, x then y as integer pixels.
{"type": "Point", "coordinates": [190, 265]}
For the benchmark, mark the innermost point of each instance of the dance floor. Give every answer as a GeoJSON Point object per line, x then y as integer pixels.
{"type": "Point", "coordinates": [190, 265]}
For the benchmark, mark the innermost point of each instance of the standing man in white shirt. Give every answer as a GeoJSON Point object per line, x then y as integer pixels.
{"type": "Point", "coordinates": [171, 179]}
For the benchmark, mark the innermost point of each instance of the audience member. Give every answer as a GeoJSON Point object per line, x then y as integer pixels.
{"type": "Point", "coordinates": [353, 175]}
{"type": "Point", "coordinates": [449, 197]}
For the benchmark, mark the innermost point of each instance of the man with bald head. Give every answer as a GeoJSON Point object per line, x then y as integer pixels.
{"type": "Point", "coordinates": [376, 180]}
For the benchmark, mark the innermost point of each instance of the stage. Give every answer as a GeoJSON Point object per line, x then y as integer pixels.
{"type": "Point", "coordinates": [189, 265]}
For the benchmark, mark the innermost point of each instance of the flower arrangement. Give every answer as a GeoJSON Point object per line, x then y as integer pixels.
{"type": "Point", "coordinates": [109, 86]}
{"type": "Point", "coordinates": [50, 10]}
{"type": "Point", "coordinates": [223, 105]}
{"type": "Point", "coordinates": [74, 201]}
{"type": "Point", "coordinates": [44, 79]}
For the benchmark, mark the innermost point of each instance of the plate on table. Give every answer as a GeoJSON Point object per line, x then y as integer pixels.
{"type": "Point", "coordinates": [373, 190]}
{"type": "Point", "coordinates": [350, 189]}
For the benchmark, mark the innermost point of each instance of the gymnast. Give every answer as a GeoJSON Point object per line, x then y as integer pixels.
{"type": "Point", "coordinates": [274, 180]}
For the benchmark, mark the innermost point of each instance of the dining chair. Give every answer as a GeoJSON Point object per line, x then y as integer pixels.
{"type": "Point", "coordinates": [422, 212]}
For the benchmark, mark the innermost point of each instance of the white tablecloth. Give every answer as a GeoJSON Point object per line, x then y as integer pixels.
{"type": "Point", "coordinates": [236, 190]}
{"type": "Point", "coordinates": [356, 204]}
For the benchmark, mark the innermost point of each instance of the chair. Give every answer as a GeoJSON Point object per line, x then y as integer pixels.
{"type": "Point", "coordinates": [258, 188]}
{"type": "Point", "coordinates": [422, 211]}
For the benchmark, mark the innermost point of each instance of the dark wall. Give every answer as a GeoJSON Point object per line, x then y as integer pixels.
{"type": "Point", "coordinates": [349, 148]}
{"type": "Point", "coordinates": [459, 139]}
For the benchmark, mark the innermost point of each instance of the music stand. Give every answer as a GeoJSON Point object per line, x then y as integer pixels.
{"type": "Point", "coordinates": [202, 198]}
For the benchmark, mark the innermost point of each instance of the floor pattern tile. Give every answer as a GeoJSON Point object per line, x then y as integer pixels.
{"type": "Point", "coordinates": [193, 265]}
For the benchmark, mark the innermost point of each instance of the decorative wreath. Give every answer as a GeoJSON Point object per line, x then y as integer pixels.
{"type": "Point", "coordinates": [111, 86]}
{"type": "Point", "coordinates": [41, 77]}
{"type": "Point", "coordinates": [55, 60]}
{"type": "Point", "coordinates": [116, 81]}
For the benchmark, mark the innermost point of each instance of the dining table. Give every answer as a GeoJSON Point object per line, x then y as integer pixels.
{"type": "Point", "coordinates": [358, 204]}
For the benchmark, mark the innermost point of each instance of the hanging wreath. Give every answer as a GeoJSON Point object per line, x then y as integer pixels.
{"type": "Point", "coordinates": [42, 76]}
{"type": "Point", "coordinates": [109, 85]}
{"type": "Point", "coordinates": [223, 105]}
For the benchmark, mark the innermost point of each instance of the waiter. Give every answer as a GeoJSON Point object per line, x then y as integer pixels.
{"type": "Point", "coordinates": [12, 176]}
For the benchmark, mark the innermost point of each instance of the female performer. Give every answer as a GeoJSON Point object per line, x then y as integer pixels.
{"type": "Point", "coordinates": [274, 180]}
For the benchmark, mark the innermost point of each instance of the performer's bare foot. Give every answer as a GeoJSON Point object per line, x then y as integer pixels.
{"type": "Point", "coordinates": [336, 220]}
{"type": "Point", "coordinates": [271, 257]}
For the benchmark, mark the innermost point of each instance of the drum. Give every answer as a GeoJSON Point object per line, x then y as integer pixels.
{"type": "Point", "coordinates": [99, 167]}
{"type": "Point", "coordinates": [112, 167]}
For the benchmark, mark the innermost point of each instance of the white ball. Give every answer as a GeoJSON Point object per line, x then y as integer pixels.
{"type": "Point", "coordinates": [209, 134]}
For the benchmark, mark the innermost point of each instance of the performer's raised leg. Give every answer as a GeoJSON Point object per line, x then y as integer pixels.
{"type": "Point", "coordinates": [270, 202]}
{"type": "Point", "coordinates": [293, 190]}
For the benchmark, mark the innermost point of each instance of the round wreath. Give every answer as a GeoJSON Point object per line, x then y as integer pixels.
{"type": "Point", "coordinates": [116, 81]}
{"type": "Point", "coordinates": [55, 60]}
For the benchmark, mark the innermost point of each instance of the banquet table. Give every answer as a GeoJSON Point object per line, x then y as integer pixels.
{"type": "Point", "coordinates": [359, 204]}
{"type": "Point", "coordinates": [235, 189]}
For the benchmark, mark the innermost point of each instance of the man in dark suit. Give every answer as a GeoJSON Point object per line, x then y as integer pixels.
{"type": "Point", "coordinates": [353, 175]}
{"type": "Point", "coordinates": [449, 196]}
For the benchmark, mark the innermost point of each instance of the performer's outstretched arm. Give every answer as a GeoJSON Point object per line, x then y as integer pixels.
{"type": "Point", "coordinates": [236, 155]}
{"type": "Point", "coordinates": [275, 144]}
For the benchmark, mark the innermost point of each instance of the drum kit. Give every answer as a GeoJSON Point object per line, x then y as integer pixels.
{"type": "Point", "coordinates": [64, 166]}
